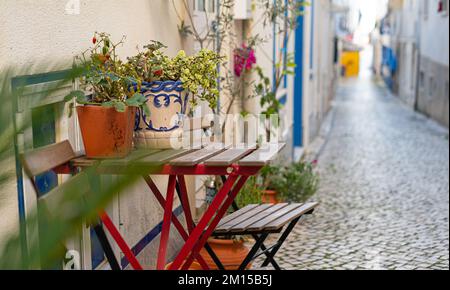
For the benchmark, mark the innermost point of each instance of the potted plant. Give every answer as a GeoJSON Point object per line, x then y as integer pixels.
{"type": "Point", "coordinates": [232, 250]}
{"type": "Point", "coordinates": [106, 113]}
{"type": "Point", "coordinates": [271, 179]}
{"type": "Point", "coordinates": [299, 182]}
{"type": "Point", "coordinates": [172, 86]}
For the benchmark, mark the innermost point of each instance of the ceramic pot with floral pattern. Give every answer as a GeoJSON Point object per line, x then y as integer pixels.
{"type": "Point", "coordinates": [167, 102]}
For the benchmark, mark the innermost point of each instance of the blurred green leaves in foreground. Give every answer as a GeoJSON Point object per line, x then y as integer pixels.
{"type": "Point", "coordinates": [73, 207]}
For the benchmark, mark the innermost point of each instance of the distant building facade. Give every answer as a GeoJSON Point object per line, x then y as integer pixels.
{"type": "Point", "coordinates": [415, 48]}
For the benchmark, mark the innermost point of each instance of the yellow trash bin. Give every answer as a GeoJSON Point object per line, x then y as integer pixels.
{"type": "Point", "coordinates": [350, 63]}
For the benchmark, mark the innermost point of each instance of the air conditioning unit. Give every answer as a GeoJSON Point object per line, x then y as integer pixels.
{"type": "Point", "coordinates": [242, 9]}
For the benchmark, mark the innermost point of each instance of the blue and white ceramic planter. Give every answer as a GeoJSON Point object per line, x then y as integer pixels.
{"type": "Point", "coordinates": [167, 102]}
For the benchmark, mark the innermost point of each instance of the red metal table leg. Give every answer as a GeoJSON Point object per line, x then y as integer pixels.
{"type": "Point", "coordinates": [120, 241]}
{"type": "Point", "coordinates": [185, 203]}
{"type": "Point", "coordinates": [166, 223]}
{"type": "Point", "coordinates": [197, 232]}
{"type": "Point", "coordinates": [175, 220]}
{"type": "Point", "coordinates": [220, 213]}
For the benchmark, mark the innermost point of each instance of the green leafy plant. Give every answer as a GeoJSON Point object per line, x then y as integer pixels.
{"type": "Point", "coordinates": [110, 81]}
{"type": "Point", "coordinates": [271, 177]}
{"type": "Point", "coordinates": [251, 193]}
{"type": "Point", "coordinates": [198, 72]}
{"type": "Point", "coordinates": [298, 183]}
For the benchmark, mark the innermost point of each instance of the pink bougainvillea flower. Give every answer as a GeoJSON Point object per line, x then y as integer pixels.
{"type": "Point", "coordinates": [244, 59]}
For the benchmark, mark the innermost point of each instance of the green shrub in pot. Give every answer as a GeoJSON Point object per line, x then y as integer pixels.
{"type": "Point", "coordinates": [298, 183]}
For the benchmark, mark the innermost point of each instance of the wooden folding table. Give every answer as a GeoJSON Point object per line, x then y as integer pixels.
{"type": "Point", "coordinates": [237, 164]}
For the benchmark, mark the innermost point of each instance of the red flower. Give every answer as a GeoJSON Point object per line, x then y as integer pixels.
{"type": "Point", "coordinates": [158, 72]}
{"type": "Point", "coordinates": [94, 40]}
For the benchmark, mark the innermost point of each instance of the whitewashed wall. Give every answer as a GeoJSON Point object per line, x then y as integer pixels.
{"type": "Point", "coordinates": [319, 76]}
{"type": "Point", "coordinates": [434, 36]}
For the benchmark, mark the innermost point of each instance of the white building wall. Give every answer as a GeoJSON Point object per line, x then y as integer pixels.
{"type": "Point", "coordinates": [433, 79]}
{"type": "Point", "coordinates": [420, 40]}
{"type": "Point", "coordinates": [434, 36]}
{"type": "Point", "coordinates": [319, 75]}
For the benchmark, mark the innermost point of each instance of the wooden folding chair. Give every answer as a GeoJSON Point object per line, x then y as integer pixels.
{"type": "Point", "coordinates": [56, 158]}
{"type": "Point", "coordinates": [259, 221]}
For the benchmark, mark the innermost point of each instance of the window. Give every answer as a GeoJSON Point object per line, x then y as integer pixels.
{"type": "Point", "coordinates": [443, 7]}
{"type": "Point", "coordinates": [44, 133]}
{"type": "Point", "coordinates": [205, 5]}
{"type": "Point", "coordinates": [446, 89]}
{"type": "Point", "coordinates": [97, 253]}
{"type": "Point", "coordinates": [431, 86]}
{"type": "Point", "coordinates": [422, 79]}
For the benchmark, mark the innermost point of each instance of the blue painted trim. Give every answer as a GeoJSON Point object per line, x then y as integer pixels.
{"type": "Point", "coordinates": [274, 53]}
{"type": "Point", "coordinates": [298, 84]}
{"type": "Point", "coordinates": [147, 239]}
{"type": "Point", "coordinates": [218, 40]}
{"type": "Point", "coordinates": [286, 14]}
{"type": "Point", "coordinates": [283, 99]}
{"type": "Point", "coordinates": [166, 86]}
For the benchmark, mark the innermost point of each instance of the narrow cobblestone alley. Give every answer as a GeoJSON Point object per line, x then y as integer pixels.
{"type": "Point", "coordinates": [384, 190]}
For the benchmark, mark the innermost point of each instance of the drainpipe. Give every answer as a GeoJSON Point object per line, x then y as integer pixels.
{"type": "Point", "coordinates": [298, 84]}
{"type": "Point", "coordinates": [418, 41]}
{"type": "Point", "coordinates": [218, 41]}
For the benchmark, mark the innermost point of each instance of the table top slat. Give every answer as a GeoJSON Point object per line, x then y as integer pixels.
{"type": "Point", "coordinates": [84, 162]}
{"type": "Point", "coordinates": [250, 221]}
{"type": "Point", "coordinates": [280, 222]}
{"type": "Point", "coordinates": [263, 156]}
{"type": "Point", "coordinates": [261, 224]}
{"type": "Point", "coordinates": [254, 211]}
{"type": "Point", "coordinates": [135, 155]}
{"type": "Point", "coordinates": [229, 156]}
{"type": "Point", "coordinates": [198, 156]}
{"type": "Point", "coordinates": [87, 162]}
{"type": "Point", "coordinates": [163, 157]}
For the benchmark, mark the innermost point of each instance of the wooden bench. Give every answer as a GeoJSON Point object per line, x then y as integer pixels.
{"type": "Point", "coordinates": [260, 221]}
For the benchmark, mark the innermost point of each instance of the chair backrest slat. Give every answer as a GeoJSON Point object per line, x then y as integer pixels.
{"type": "Point", "coordinates": [46, 158]}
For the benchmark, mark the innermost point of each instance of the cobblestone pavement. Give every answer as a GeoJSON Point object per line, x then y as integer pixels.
{"type": "Point", "coordinates": [384, 190]}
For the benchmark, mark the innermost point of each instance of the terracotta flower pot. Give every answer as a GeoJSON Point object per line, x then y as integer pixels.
{"type": "Point", "coordinates": [194, 266]}
{"type": "Point", "coordinates": [167, 102]}
{"type": "Point", "coordinates": [270, 196]}
{"type": "Point", "coordinates": [230, 252]}
{"type": "Point", "coordinates": [106, 133]}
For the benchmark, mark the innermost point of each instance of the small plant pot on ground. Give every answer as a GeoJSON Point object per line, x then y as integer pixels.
{"type": "Point", "coordinates": [229, 251]}
{"type": "Point", "coordinates": [106, 132]}
{"type": "Point", "coordinates": [194, 266]}
{"type": "Point", "coordinates": [270, 196]}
